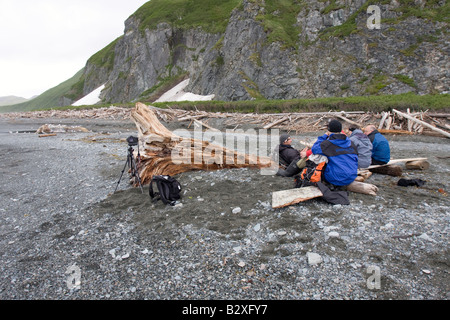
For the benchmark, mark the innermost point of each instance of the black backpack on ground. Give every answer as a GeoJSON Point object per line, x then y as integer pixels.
{"type": "Point", "coordinates": [169, 189]}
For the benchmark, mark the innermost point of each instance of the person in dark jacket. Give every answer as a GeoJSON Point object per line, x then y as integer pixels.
{"type": "Point", "coordinates": [363, 146]}
{"type": "Point", "coordinates": [381, 152]}
{"type": "Point", "coordinates": [342, 167]}
{"type": "Point", "coordinates": [288, 157]}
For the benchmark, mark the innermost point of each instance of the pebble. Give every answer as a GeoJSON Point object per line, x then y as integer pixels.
{"type": "Point", "coordinates": [236, 210]}
{"type": "Point", "coordinates": [314, 258]}
{"type": "Point", "coordinates": [333, 234]}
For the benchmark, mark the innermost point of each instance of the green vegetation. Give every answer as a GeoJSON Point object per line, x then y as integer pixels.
{"type": "Point", "coordinates": [354, 103]}
{"type": "Point", "coordinates": [408, 8]}
{"type": "Point", "coordinates": [49, 99]}
{"type": "Point", "coordinates": [280, 21]}
{"type": "Point", "coordinates": [378, 82]}
{"type": "Point", "coordinates": [431, 11]}
{"type": "Point", "coordinates": [405, 79]}
{"type": "Point", "coordinates": [210, 15]}
{"type": "Point", "coordinates": [105, 57]}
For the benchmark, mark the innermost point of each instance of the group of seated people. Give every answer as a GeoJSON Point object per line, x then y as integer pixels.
{"type": "Point", "coordinates": [346, 153]}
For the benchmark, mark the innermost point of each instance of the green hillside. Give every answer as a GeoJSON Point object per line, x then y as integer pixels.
{"type": "Point", "coordinates": [10, 100]}
{"type": "Point", "coordinates": [50, 98]}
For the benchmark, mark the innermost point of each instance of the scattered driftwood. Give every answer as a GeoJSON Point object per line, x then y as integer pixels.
{"type": "Point", "coordinates": [289, 197]}
{"type": "Point", "coordinates": [390, 123]}
{"type": "Point", "coordinates": [50, 128]}
{"type": "Point", "coordinates": [409, 117]}
{"type": "Point", "coordinates": [165, 153]}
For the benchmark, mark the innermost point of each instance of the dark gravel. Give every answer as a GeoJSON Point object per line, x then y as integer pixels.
{"type": "Point", "coordinates": [59, 215]}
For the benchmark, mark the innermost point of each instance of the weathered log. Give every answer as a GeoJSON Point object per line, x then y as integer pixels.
{"type": "Point", "coordinates": [383, 119]}
{"type": "Point", "coordinates": [289, 197]}
{"type": "Point", "coordinates": [165, 153]}
{"type": "Point", "coordinates": [445, 133]}
{"type": "Point", "coordinates": [279, 121]}
{"type": "Point", "coordinates": [361, 187]}
{"type": "Point", "coordinates": [393, 161]}
{"type": "Point", "coordinates": [391, 170]}
{"type": "Point", "coordinates": [348, 120]}
{"type": "Point", "coordinates": [47, 135]}
{"type": "Point", "coordinates": [386, 131]}
{"type": "Point", "coordinates": [418, 164]}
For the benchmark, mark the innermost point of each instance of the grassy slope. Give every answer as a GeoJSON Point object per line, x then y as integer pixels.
{"type": "Point", "coordinates": [47, 100]}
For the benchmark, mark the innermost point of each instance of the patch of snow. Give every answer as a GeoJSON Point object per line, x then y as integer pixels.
{"type": "Point", "coordinates": [91, 98]}
{"type": "Point", "coordinates": [177, 93]}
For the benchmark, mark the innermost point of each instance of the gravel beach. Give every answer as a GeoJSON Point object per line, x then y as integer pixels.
{"type": "Point", "coordinates": [64, 234]}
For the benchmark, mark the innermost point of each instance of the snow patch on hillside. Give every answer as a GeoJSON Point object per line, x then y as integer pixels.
{"type": "Point", "coordinates": [177, 93]}
{"type": "Point", "coordinates": [91, 98]}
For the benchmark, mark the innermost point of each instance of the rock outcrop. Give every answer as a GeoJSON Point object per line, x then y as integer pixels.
{"type": "Point", "coordinates": [334, 54]}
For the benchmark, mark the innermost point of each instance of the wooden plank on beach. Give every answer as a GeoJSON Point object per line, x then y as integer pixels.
{"type": "Point", "coordinates": [393, 161]}
{"type": "Point", "coordinates": [289, 197]}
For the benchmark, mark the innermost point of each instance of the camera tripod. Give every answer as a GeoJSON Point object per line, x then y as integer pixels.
{"type": "Point", "coordinates": [132, 168]}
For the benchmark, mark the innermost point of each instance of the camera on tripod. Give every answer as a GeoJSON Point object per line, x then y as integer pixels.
{"type": "Point", "coordinates": [132, 141]}
{"type": "Point", "coordinates": [132, 164]}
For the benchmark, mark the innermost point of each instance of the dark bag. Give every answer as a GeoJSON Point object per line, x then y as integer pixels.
{"type": "Point", "coordinates": [169, 189]}
{"type": "Point", "coordinates": [310, 175]}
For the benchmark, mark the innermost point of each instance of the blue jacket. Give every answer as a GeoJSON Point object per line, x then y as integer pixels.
{"type": "Point", "coordinates": [342, 167]}
{"type": "Point", "coordinates": [381, 151]}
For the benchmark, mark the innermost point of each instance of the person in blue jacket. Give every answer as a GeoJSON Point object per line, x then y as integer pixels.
{"type": "Point", "coordinates": [342, 167]}
{"type": "Point", "coordinates": [381, 152]}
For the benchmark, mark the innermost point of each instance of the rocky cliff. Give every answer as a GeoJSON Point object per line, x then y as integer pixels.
{"type": "Point", "coordinates": [283, 50]}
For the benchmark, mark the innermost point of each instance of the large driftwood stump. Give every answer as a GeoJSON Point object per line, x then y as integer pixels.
{"type": "Point", "coordinates": [166, 153]}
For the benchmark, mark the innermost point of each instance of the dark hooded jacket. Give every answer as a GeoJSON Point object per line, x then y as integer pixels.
{"type": "Point", "coordinates": [287, 154]}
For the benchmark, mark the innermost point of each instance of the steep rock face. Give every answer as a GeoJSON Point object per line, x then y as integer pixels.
{"type": "Point", "coordinates": [336, 55]}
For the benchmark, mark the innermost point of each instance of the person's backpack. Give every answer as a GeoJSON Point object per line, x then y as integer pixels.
{"type": "Point", "coordinates": [310, 175]}
{"type": "Point", "coordinates": [169, 189]}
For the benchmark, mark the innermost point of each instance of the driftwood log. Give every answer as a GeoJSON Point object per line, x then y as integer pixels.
{"type": "Point", "coordinates": [417, 165]}
{"type": "Point", "coordinates": [165, 153]}
{"type": "Point", "coordinates": [289, 197]}
{"type": "Point", "coordinates": [361, 187]}
{"type": "Point", "coordinates": [390, 170]}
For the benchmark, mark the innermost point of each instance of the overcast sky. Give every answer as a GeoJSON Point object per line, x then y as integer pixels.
{"type": "Point", "coordinates": [45, 42]}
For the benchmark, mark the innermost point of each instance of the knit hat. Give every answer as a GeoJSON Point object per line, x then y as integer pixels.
{"type": "Point", "coordinates": [334, 126]}
{"type": "Point", "coordinates": [283, 138]}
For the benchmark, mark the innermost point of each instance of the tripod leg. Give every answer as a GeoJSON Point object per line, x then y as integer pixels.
{"type": "Point", "coordinates": [123, 170]}
{"type": "Point", "coordinates": [135, 173]}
